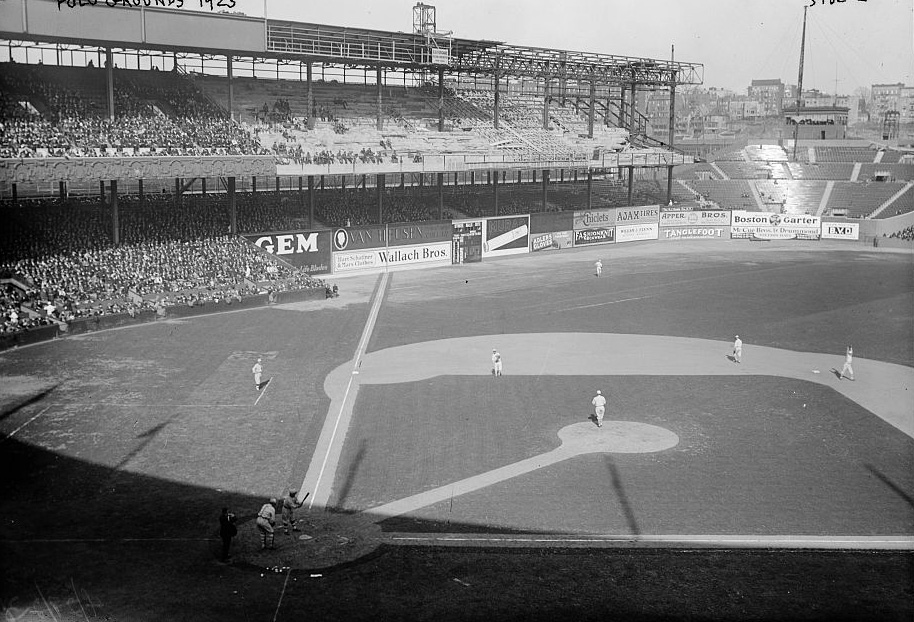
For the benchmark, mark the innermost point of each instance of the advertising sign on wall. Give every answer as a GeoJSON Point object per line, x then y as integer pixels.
{"type": "Point", "coordinates": [773, 226]}
{"type": "Point", "coordinates": [399, 234]}
{"type": "Point", "coordinates": [840, 231]}
{"type": "Point", "coordinates": [551, 241]}
{"type": "Point", "coordinates": [387, 258]}
{"type": "Point", "coordinates": [631, 233]}
{"type": "Point", "coordinates": [594, 219]}
{"type": "Point", "coordinates": [695, 218]}
{"type": "Point", "coordinates": [695, 233]}
{"type": "Point", "coordinates": [636, 215]}
{"type": "Point", "coordinates": [586, 237]}
{"type": "Point", "coordinates": [309, 250]}
{"type": "Point", "coordinates": [506, 236]}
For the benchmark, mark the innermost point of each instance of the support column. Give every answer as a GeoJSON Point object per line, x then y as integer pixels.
{"type": "Point", "coordinates": [141, 193]}
{"type": "Point", "coordinates": [231, 87]}
{"type": "Point", "coordinates": [669, 169]}
{"type": "Point", "coordinates": [441, 99]}
{"type": "Point", "coordinates": [622, 117]}
{"type": "Point", "coordinates": [545, 188]}
{"type": "Point", "coordinates": [310, 201]}
{"type": "Point", "coordinates": [109, 79]}
{"type": "Point", "coordinates": [546, 97]}
{"type": "Point", "coordinates": [232, 207]}
{"type": "Point", "coordinates": [15, 191]}
{"type": "Point", "coordinates": [440, 196]}
{"type": "Point", "coordinates": [631, 181]}
{"type": "Point", "coordinates": [380, 190]}
{"type": "Point", "coordinates": [589, 189]}
{"type": "Point", "coordinates": [593, 105]}
{"type": "Point", "coordinates": [631, 106]}
{"type": "Point", "coordinates": [380, 105]}
{"type": "Point", "coordinates": [62, 189]}
{"type": "Point", "coordinates": [497, 102]}
{"type": "Point", "coordinates": [203, 186]}
{"type": "Point", "coordinates": [115, 220]}
{"type": "Point", "coordinates": [310, 89]}
{"type": "Point", "coordinates": [177, 192]}
{"type": "Point", "coordinates": [495, 193]}
{"type": "Point", "coordinates": [101, 191]}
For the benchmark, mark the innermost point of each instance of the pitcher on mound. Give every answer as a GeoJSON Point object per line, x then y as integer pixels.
{"type": "Point", "coordinates": [599, 407]}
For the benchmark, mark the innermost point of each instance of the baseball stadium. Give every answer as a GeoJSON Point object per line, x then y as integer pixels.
{"type": "Point", "coordinates": [306, 321]}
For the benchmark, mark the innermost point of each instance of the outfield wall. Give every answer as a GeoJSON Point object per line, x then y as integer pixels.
{"type": "Point", "coordinates": [378, 248]}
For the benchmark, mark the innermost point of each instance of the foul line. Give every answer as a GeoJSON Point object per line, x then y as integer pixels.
{"type": "Point", "coordinates": [356, 362]}
{"type": "Point", "coordinates": [283, 593]}
{"type": "Point", "coordinates": [13, 433]}
{"type": "Point", "coordinates": [269, 382]}
{"type": "Point", "coordinates": [902, 543]}
{"type": "Point", "coordinates": [611, 302]}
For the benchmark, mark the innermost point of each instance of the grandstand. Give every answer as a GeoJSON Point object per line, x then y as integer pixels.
{"type": "Point", "coordinates": [377, 139]}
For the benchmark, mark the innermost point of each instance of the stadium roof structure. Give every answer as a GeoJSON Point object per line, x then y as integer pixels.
{"type": "Point", "coordinates": [239, 35]}
{"type": "Point", "coordinates": [480, 57]}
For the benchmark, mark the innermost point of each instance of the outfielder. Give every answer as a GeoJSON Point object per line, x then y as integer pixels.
{"type": "Point", "coordinates": [599, 267]}
{"type": "Point", "coordinates": [738, 350]}
{"type": "Point", "coordinates": [599, 407]}
{"type": "Point", "coordinates": [257, 370]}
{"type": "Point", "coordinates": [496, 363]}
{"type": "Point", "coordinates": [848, 360]}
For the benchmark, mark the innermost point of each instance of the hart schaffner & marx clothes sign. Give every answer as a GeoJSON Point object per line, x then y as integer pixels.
{"type": "Point", "coordinates": [772, 226]}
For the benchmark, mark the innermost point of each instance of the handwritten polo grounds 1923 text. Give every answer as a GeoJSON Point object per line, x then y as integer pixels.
{"type": "Point", "coordinates": [168, 4]}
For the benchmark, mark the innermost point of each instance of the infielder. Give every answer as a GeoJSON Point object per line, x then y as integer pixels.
{"type": "Point", "coordinates": [266, 518]}
{"type": "Point", "coordinates": [257, 371]}
{"type": "Point", "coordinates": [599, 267]}
{"type": "Point", "coordinates": [496, 363]}
{"type": "Point", "coordinates": [848, 369]}
{"type": "Point", "coordinates": [738, 350]}
{"type": "Point", "coordinates": [599, 407]}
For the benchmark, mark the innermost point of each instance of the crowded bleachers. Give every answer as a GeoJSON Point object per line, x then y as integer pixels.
{"type": "Point", "coordinates": [905, 234]}
{"type": "Point", "coordinates": [158, 113]}
{"type": "Point", "coordinates": [65, 266]}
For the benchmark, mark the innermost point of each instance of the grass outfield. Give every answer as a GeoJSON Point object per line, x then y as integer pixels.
{"type": "Point", "coordinates": [120, 447]}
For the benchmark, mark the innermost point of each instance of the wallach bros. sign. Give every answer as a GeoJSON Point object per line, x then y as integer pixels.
{"type": "Point", "coordinates": [309, 250]}
{"type": "Point", "coordinates": [375, 259]}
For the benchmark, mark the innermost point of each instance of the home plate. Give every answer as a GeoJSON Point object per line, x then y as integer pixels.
{"type": "Point", "coordinates": [304, 536]}
{"type": "Point", "coordinates": [816, 371]}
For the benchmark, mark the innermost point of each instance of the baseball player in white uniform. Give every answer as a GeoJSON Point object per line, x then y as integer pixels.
{"type": "Point", "coordinates": [257, 370]}
{"type": "Point", "coordinates": [848, 368]}
{"type": "Point", "coordinates": [599, 267]}
{"type": "Point", "coordinates": [738, 350]}
{"type": "Point", "coordinates": [496, 363]}
{"type": "Point", "coordinates": [599, 407]}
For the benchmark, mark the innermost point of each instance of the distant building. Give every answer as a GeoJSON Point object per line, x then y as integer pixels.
{"type": "Point", "coordinates": [885, 97]}
{"type": "Point", "coordinates": [770, 96]}
{"type": "Point", "coordinates": [817, 123]}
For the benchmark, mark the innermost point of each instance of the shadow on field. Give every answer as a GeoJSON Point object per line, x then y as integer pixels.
{"type": "Point", "coordinates": [28, 402]}
{"type": "Point", "coordinates": [623, 498]}
{"type": "Point", "coordinates": [898, 490]}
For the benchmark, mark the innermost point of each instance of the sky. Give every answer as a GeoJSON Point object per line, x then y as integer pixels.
{"type": "Point", "coordinates": [858, 42]}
